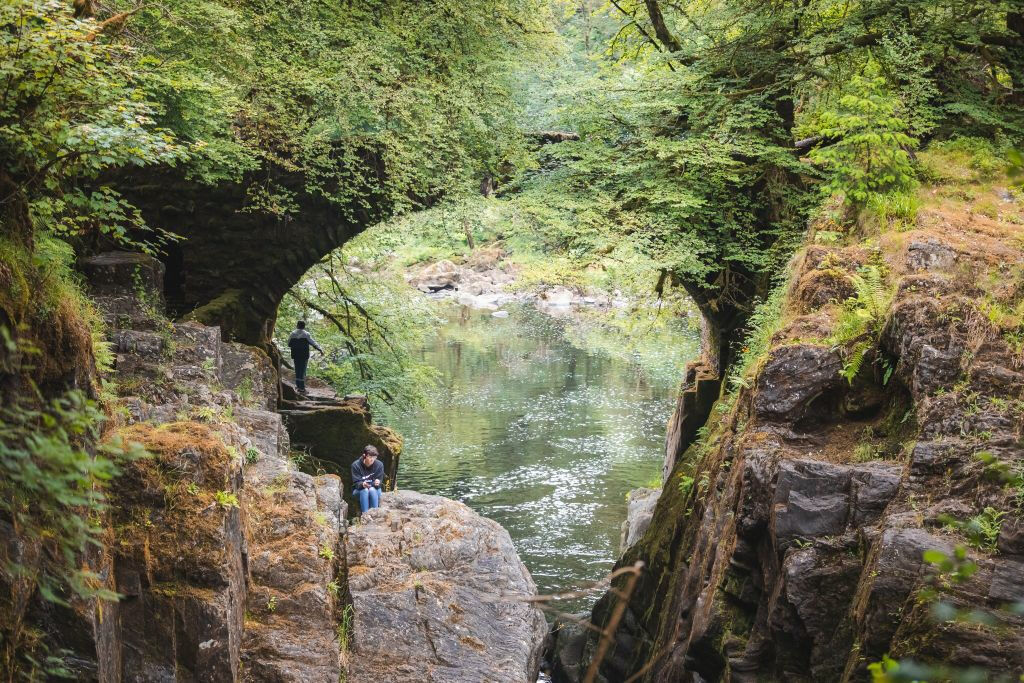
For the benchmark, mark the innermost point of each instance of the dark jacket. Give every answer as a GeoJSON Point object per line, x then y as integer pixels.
{"type": "Point", "coordinates": [299, 342]}
{"type": "Point", "coordinates": [361, 473]}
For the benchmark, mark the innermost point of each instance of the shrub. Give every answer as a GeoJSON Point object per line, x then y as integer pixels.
{"type": "Point", "coordinates": [983, 529]}
{"type": "Point", "coordinates": [54, 470]}
{"type": "Point", "coordinates": [869, 155]}
{"type": "Point", "coordinates": [55, 467]}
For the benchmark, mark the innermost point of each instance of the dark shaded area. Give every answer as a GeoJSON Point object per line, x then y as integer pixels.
{"type": "Point", "coordinates": [235, 261]}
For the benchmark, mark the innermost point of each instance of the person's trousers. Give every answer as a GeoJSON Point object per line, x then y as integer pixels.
{"type": "Point", "coordinates": [368, 498]}
{"type": "Point", "coordinates": [300, 371]}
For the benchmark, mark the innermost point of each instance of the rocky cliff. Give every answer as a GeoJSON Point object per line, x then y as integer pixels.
{"type": "Point", "coordinates": [232, 564]}
{"type": "Point", "coordinates": [789, 542]}
{"type": "Point", "coordinates": [222, 551]}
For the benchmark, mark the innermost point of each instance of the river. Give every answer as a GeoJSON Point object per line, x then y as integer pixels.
{"type": "Point", "coordinates": [537, 428]}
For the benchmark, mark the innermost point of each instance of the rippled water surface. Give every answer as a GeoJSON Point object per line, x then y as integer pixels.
{"type": "Point", "coordinates": [541, 435]}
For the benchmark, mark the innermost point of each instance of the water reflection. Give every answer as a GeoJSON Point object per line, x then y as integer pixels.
{"type": "Point", "coordinates": [541, 435]}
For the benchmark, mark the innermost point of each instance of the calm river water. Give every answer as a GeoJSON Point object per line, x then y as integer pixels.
{"type": "Point", "coordinates": [543, 435]}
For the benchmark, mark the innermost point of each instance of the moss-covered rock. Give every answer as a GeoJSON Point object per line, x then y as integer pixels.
{"type": "Point", "coordinates": [335, 434]}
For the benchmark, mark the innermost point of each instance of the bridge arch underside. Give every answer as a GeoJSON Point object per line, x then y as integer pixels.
{"type": "Point", "coordinates": [233, 266]}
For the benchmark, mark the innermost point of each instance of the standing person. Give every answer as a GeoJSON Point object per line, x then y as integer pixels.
{"type": "Point", "coordinates": [367, 473]}
{"type": "Point", "coordinates": [299, 342]}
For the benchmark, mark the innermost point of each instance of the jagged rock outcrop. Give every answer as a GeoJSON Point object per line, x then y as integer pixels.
{"type": "Point", "coordinates": [439, 594]}
{"type": "Point", "coordinates": [569, 653]}
{"type": "Point", "coordinates": [789, 545]}
{"type": "Point", "coordinates": [697, 395]}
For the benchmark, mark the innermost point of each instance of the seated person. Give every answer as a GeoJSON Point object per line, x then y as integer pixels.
{"type": "Point", "coordinates": [367, 473]}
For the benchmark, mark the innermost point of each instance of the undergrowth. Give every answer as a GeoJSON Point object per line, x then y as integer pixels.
{"type": "Point", "coordinates": [762, 325]}
{"type": "Point", "coordinates": [55, 468]}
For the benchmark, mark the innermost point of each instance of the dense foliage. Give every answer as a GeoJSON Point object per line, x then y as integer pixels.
{"type": "Point", "coordinates": [710, 132]}
{"type": "Point", "coordinates": [386, 101]}
{"type": "Point", "coordinates": [697, 128]}
{"type": "Point", "coordinates": [72, 107]}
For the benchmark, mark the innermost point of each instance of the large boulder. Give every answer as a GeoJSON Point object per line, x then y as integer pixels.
{"type": "Point", "coordinates": [557, 296]}
{"type": "Point", "coordinates": [439, 594]}
{"type": "Point", "coordinates": [128, 287]}
{"type": "Point", "coordinates": [249, 372]}
{"type": "Point", "coordinates": [437, 276]}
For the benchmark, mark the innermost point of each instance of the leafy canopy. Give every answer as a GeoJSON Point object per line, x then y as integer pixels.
{"type": "Point", "coordinates": [71, 107]}
{"type": "Point", "coordinates": [371, 101]}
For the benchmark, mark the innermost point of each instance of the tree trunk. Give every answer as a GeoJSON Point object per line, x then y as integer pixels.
{"type": "Point", "coordinates": [661, 29]}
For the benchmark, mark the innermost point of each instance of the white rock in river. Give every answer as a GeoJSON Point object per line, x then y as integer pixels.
{"type": "Point", "coordinates": [557, 296]}
{"type": "Point", "coordinates": [472, 301]}
{"type": "Point", "coordinates": [499, 314]}
{"type": "Point", "coordinates": [427, 576]}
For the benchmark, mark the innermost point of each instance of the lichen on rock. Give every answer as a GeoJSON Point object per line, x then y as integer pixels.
{"type": "Point", "coordinates": [439, 594]}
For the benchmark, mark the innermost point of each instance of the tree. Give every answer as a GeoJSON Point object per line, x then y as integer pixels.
{"type": "Point", "coordinates": [697, 150]}
{"type": "Point", "coordinates": [70, 108]}
{"type": "Point", "coordinates": [870, 153]}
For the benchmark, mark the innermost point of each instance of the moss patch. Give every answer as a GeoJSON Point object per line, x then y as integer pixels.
{"type": "Point", "coordinates": [166, 513]}
{"type": "Point", "coordinates": [43, 307]}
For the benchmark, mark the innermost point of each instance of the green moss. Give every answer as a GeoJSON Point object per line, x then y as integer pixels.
{"type": "Point", "coordinates": [43, 306]}
{"type": "Point", "coordinates": [236, 317]}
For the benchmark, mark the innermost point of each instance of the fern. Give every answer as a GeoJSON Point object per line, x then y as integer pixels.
{"type": "Point", "coordinates": [855, 360]}
{"type": "Point", "coordinates": [872, 294]}
{"type": "Point", "coordinates": [761, 326]}
{"type": "Point", "coordinates": [861, 319]}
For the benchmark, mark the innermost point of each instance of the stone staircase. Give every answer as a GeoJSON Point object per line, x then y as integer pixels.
{"type": "Point", "coordinates": [334, 429]}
